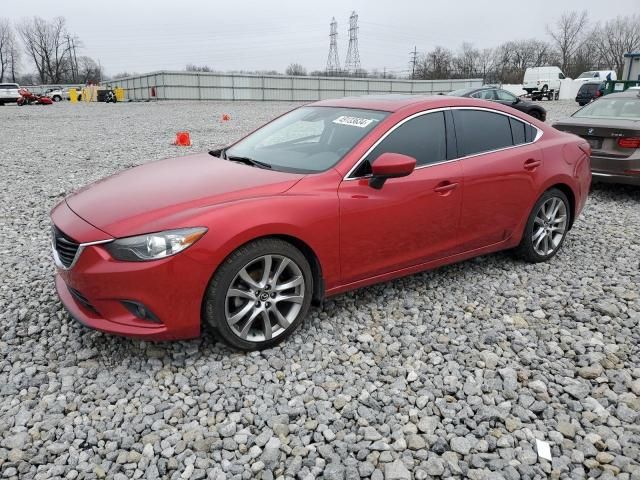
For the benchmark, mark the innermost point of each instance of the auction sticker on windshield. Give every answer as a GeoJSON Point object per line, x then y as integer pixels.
{"type": "Point", "coordinates": [353, 121]}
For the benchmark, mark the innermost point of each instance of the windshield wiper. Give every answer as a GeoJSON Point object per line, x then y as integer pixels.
{"type": "Point", "coordinates": [248, 161]}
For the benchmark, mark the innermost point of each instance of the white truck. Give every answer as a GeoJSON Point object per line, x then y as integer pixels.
{"type": "Point", "coordinates": [542, 82]}
{"type": "Point", "coordinates": [602, 75]}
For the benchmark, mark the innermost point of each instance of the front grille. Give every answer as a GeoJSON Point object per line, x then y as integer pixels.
{"type": "Point", "coordinates": [65, 247]}
{"type": "Point", "coordinates": [82, 300]}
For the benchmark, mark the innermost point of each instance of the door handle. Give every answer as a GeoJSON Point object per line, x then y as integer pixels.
{"type": "Point", "coordinates": [445, 187]}
{"type": "Point", "coordinates": [532, 164]}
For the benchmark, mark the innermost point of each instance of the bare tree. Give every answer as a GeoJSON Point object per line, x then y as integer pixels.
{"type": "Point", "coordinates": [198, 68]}
{"type": "Point", "coordinates": [47, 45]}
{"type": "Point", "coordinates": [617, 37]}
{"type": "Point", "coordinates": [89, 70]}
{"type": "Point", "coordinates": [568, 34]}
{"type": "Point", "coordinates": [8, 51]}
{"type": "Point", "coordinates": [434, 65]}
{"type": "Point", "coordinates": [296, 69]}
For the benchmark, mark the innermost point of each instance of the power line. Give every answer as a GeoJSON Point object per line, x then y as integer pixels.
{"type": "Point", "coordinates": [352, 64]}
{"type": "Point", "coordinates": [333, 62]}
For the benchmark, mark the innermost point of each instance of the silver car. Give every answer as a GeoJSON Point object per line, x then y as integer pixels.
{"type": "Point", "coordinates": [611, 125]}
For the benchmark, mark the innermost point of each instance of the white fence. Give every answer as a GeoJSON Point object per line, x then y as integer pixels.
{"type": "Point", "coordinates": [167, 85]}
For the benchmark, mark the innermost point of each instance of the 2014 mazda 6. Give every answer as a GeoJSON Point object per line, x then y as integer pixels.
{"type": "Point", "coordinates": [326, 198]}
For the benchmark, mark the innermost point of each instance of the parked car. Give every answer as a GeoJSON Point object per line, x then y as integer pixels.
{"type": "Point", "coordinates": [611, 125]}
{"type": "Point", "coordinates": [56, 94]}
{"type": "Point", "coordinates": [601, 75]}
{"type": "Point", "coordinates": [499, 95]}
{"type": "Point", "coordinates": [542, 79]}
{"type": "Point", "coordinates": [589, 91]}
{"type": "Point", "coordinates": [9, 93]}
{"type": "Point", "coordinates": [332, 196]}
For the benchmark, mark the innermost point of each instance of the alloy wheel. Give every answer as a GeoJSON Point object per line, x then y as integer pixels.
{"type": "Point", "coordinates": [264, 298]}
{"type": "Point", "coordinates": [549, 226]}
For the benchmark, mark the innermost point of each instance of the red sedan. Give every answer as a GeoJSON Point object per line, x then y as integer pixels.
{"type": "Point", "coordinates": [327, 198]}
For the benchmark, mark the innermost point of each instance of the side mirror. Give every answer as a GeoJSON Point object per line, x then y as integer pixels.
{"type": "Point", "coordinates": [517, 100]}
{"type": "Point", "coordinates": [390, 165]}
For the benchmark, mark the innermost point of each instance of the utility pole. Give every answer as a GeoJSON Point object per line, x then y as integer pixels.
{"type": "Point", "coordinates": [352, 64]}
{"type": "Point", "coordinates": [333, 62]}
{"type": "Point", "coordinates": [414, 60]}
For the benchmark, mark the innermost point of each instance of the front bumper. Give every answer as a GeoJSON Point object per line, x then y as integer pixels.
{"type": "Point", "coordinates": [94, 289]}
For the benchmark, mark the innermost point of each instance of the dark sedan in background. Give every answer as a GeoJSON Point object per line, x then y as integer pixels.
{"type": "Point", "coordinates": [499, 95]}
{"type": "Point", "coordinates": [611, 125]}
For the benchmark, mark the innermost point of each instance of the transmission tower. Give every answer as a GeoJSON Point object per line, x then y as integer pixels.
{"type": "Point", "coordinates": [333, 62]}
{"type": "Point", "coordinates": [352, 64]}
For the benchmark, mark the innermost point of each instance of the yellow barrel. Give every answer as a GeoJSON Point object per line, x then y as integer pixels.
{"type": "Point", "coordinates": [119, 94]}
{"type": "Point", "coordinates": [73, 95]}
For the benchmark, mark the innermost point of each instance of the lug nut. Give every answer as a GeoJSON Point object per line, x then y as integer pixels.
{"type": "Point", "coordinates": [268, 304]}
{"type": "Point", "coordinates": [273, 294]}
{"type": "Point", "coordinates": [267, 287]}
{"type": "Point", "coordinates": [257, 304]}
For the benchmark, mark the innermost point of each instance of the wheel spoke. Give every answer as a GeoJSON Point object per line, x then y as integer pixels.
{"type": "Point", "coordinates": [290, 284]}
{"type": "Point", "coordinates": [240, 315]}
{"type": "Point", "coordinates": [538, 234]}
{"type": "Point", "coordinates": [282, 321]}
{"type": "Point", "coordinates": [268, 261]}
{"type": "Point", "coordinates": [234, 292]}
{"type": "Point", "coordinates": [289, 298]}
{"type": "Point", "coordinates": [244, 275]}
{"type": "Point", "coordinates": [538, 220]}
{"type": "Point", "coordinates": [267, 325]}
{"type": "Point", "coordinates": [556, 207]}
{"type": "Point", "coordinates": [283, 264]}
{"type": "Point", "coordinates": [540, 238]}
{"type": "Point", "coordinates": [247, 327]}
{"type": "Point", "coordinates": [546, 244]}
{"type": "Point", "coordinates": [559, 219]}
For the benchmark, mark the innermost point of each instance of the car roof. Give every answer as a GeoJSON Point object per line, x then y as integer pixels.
{"type": "Point", "coordinates": [396, 102]}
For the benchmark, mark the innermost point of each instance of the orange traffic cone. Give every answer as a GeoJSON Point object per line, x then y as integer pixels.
{"type": "Point", "coordinates": [182, 139]}
{"type": "Point", "coordinates": [226, 117]}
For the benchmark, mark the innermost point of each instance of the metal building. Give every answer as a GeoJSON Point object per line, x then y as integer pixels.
{"type": "Point", "coordinates": [168, 85]}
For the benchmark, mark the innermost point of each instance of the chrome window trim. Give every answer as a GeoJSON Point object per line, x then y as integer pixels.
{"type": "Point", "coordinates": [538, 136]}
{"type": "Point", "coordinates": [81, 247]}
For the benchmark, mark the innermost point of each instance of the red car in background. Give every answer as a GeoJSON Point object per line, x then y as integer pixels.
{"type": "Point", "coordinates": [327, 198]}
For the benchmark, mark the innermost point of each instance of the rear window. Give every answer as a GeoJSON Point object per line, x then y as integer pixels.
{"type": "Point", "coordinates": [589, 88]}
{"type": "Point", "coordinates": [627, 108]}
{"type": "Point", "coordinates": [9, 85]}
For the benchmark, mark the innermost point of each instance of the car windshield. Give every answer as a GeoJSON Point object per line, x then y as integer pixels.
{"type": "Point", "coordinates": [308, 139]}
{"type": "Point", "coordinates": [627, 108]}
{"type": "Point", "coordinates": [586, 75]}
{"type": "Point", "coordinates": [463, 92]}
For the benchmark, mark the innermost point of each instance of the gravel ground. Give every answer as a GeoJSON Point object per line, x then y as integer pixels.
{"type": "Point", "coordinates": [452, 373]}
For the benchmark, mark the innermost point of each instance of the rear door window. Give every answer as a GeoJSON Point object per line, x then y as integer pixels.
{"type": "Point", "coordinates": [479, 131]}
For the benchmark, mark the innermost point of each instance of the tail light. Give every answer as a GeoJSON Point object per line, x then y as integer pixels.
{"type": "Point", "coordinates": [598, 93]}
{"type": "Point", "coordinates": [629, 142]}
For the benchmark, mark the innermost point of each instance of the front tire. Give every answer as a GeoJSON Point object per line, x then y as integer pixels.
{"type": "Point", "coordinates": [56, 98]}
{"type": "Point", "coordinates": [546, 227]}
{"type": "Point", "coordinates": [259, 295]}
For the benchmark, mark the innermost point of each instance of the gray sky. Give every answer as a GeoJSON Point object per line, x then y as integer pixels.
{"type": "Point", "coordinates": [141, 36]}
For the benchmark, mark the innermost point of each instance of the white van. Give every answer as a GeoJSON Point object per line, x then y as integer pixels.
{"type": "Point", "coordinates": [596, 75]}
{"type": "Point", "coordinates": [543, 79]}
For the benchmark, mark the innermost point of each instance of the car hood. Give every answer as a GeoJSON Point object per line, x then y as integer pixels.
{"type": "Point", "coordinates": [160, 194]}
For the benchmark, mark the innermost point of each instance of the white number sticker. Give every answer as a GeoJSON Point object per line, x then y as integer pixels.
{"type": "Point", "coordinates": [353, 121]}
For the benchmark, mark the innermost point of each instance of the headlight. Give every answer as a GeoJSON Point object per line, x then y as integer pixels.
{"type": "Point", "coordinates": [154, 246]}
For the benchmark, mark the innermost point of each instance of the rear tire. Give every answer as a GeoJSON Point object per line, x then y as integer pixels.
{"type": "Point", "coordinates": [259, 295]}
{"type": "Point", "coordinates": [56, 98]}
{"type": "Point", "coordinates": [546, 227]}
